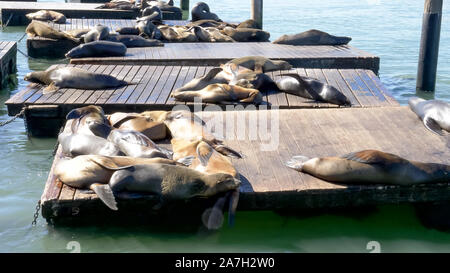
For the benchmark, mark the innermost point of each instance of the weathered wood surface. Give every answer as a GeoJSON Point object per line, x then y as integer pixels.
{"type": "Point", "coordinates": [215, 53]}
{"type": "Point", "coordinates": [70, 10]}
{"type": "Point", "coordinates": [268, 184]}
{"type": "Point", "coordinates": [155, 84]}
{"type": "Point", "coordinates": [39, 47]}
{"type": "Point", "coordinates": [8, 59]}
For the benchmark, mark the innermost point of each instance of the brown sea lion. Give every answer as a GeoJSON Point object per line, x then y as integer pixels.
{"type": "Point", "coordinates": [177, 34]}
{"type": "Point", "coordinates": [259, 63]}
{"type": "Point", "coordinates": [312, 37]}
{"type": "Point", "coordinates": [98, 32]}
{"type": "Point", "coordinates": [312, 88]}
{"type": "Point", "coordinates": [246, 34]}
{"type": "Point", "coordinates": [204, 81]}
{"type": "Point", "coordinates": [435, 114]}
{"type": "Point", "coordinates": [250, 23]}
{"type": "Point", "coordinates": [220, 93]}
{"type": "Point", "coordinates": [155, 130]}
{"type": "Point", "coordinates": [217, 37]}
{"type": "Point", "coordinates": [94, 172]}
{"type": "Point", "coordinates": [47, 15]}
{"type": "Point", "coordinates": [37, 28]}
{"type": "Point", "coordinates": [246, 78]}
{"type": "Point", "coordinates": [89, 120]}
{"type": "Point", "coordinates": [371, 167]}
{"type": "Point", "coordinates": [77, 33]}
{"type": "Point", "coordinates": [72, 77]}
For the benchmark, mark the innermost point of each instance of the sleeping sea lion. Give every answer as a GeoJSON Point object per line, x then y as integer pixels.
{"type": "Point", "coordinates": [77, 33]}
{"type": "Point", "coordinates": [312, 37]}
{"type": "Point", "coordinates": [200, 11]}
{"type": "Point", "coordinates": [37, 28]}
{"type": "Point", "coordinates": [258, 63]}
{"type": "Point", "coordinates": [136, 144]}
{"type": "Point", "coordinates": [94, 172]}
{"type": "Point", "coordinates": [98, 32]}
{"type": "Point", "coordinates": [220, 93]}
{"type": "Point", "coordinates": [250, 23]}
{"type": "Point", "coordinates": [72, 77]}
{"type": "Point", "coordinates": [217, 37]}
{"type": "Point", "coordinates": [89, 120]}
{"type": "Point", "coordinates": [134, 41]}
{"type": "Point", "coordinates": [47, 15]}
{"type": "Point", "coordinates": [435, 114]}
{"type": "Point", "coordinates": [204, 81]}
{"type": "Point", "coordinates": [246, 78]}
{"type": "Point", "coordinates": [148, 30]}
{"type": "Point", "coordinates": [82, 144]}
{"type": "Point", "coordinates": [128, 31]}
{"type": "Point", "coordinates": [371, 167]}
{"type": "Point", "coordinates": [177, 34]}
{"type": "Point", "coordinates": [312, 88]}
{"type": "Point", "coordinates": [97, 49]}
{"type": "Point", "coordinates": [155, 130]}
{"type": "Point", "coordinates": [246, 34]}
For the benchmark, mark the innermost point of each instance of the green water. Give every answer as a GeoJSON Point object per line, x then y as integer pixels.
{"type": "Point", "coordinates": [389, 29]}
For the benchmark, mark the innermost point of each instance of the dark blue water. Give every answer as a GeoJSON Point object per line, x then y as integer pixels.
{"type": "Point", "coordinates": [389, 29]}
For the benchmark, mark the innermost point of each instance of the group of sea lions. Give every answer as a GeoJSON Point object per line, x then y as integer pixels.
{"type": "Point", "coordinates": [243, 79]}
{"type": "Point", "coordinates": [116, 153]}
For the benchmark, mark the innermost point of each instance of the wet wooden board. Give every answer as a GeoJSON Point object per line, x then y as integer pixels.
{"type": "Point", "coordinates": [268, 184]}
{"type": "Point", "coordinates": [216, 53]}
{"type": "Point", "coordinates": [155, 84]}
{"type": "Point", "coordinates": [8, 60]}
{"type": "Point", "coordinates": [14, 12]}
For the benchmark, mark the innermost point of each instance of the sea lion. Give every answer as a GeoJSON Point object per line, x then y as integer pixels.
{"type": "Point", "coordinates": [208, 23]}
{"type": "Point", "coordinates": [207, 160]}
{"type": "Point", "coordinates": [246, 78]}
{"type": "Point", "coordinates": [163, 6]}
{"type": "Point", "coordinates": [152, 13]}
{"type": "Point", "coordinates": [312, 89]}
{"type": "Point", "coordinates": [97, 49]}
{"type": "Point", "coordinates": [98, 32]}
{"type": "Point", "coordinates": [148, 29]}
{"type": "Point", "coordinates": [171, 182]}
{"type": "Point", "coordinates": [204, 81]}
{"type": "Point", "coordinates": [77, 33]}
{"type": "Point", "coordinates": [200, 11]}
{"type": "Point", "coordinates": [134, 41]}
{"type": "Point", "coordinates": [216, 36]}
{"type": "Point", "coordinates": [201, 33]}
{"type": "Point", "coordinates": [136, 144]}
{"type": "Point", "coordinates": [47, 15]}
{"type": "Point", "coordinates": [89, 120]}
{"type": "Point", "coordinates": [220, 93]}
{"type": "Point", "coordinates": [250, 23]}
{"type": "Point", "coordinates": [120, 5]}
{"type": "Point", "coordinates": [72, 77]}
{"type": "Point", "coordinates": [312, 37]}
{"type": "Point", "coordinates": [177, 34]}
{"type": "Point", "coordinates": [37, 28]}
{"type": "Point", "coordinates": [435, 114]}
{"type": "Point", "coordinates": [128, 31]}
{"type": "Point", "coordinates": [246, 34]}
{"type": "Point", "coordinates": [155, 130]}
{"type": "Point", "coordinates": [187, 125]}
{"type": "Point", "coordinates": [81, 144]}
{"type": "Point", "coordinates": [371, 167]}
{"type": "Point", "coordinates": [258, 63]}
{"type": "Point", "coordinates": [94, 171]}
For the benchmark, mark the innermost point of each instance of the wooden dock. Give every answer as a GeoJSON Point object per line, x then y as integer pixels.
{"type": "Point", "coordinates": [155, 84]}
{"type": "Point", "coordinates": [14, 12]}
{"type": "Point", "coordinates": [8, 60]}
{"type": "Point", "coordinates": [268, 185]}
{"type": "Point", "coordinates": [337, 57]}
{"type": "Point", "coordinates": [39, 47]}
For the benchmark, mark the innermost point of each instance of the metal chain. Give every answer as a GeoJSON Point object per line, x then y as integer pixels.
{"type": "Point", "coordinates": [21, 113]}
{"type": "Point", "coordinates": [36, 214]}
{"type": "Point", "coordinates": [7, 22]}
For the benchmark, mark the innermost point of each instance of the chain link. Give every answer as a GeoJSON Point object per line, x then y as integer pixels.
{"type": "Point", "coordinates": [21, 113]}
{"type": "Point", "coordinates": [36, 214]}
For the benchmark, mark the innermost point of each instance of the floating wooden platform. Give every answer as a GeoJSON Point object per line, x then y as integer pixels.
{"type": "Point", "coordinates": [14, 12]}
{"type": "Point", "coordinates": [155, 84]}
{"type": "Point", "coordinates": [268, 185]}
{"type": "Point", "coordinates": [216, 53]}
{"type": "Point", "coordinates": [8, 60]}
{"type": "Point", "coordinates": [39, 47]}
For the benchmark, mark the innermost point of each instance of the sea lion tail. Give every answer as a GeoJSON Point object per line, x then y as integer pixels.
{"type": "Point", "coordinates": [296, 162]}
{"type": "Point", "coordinates": [225, 150]}
{"type": "Point", "coordinates": [105, 194]}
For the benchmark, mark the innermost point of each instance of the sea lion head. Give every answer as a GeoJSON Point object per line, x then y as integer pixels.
{"type": "Point", "coordinates": [283, 65]}
{"type": "Point", "coordinates": [217, 183]}
{"type": "Point", "coordinates": [37, 77]}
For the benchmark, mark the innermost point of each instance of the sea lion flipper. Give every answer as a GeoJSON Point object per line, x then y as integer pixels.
{"type": "Point", "coordinates": [372, 157]}
{"type": "Point", "coordinates": [100, 129]}
{"type": "Point", "coordinates": [50, 88]}
{"type": "Point", "coordinates": [432, 125]}
{"type": "Point", "coordinates": [227, 151]}
{"type": "Point", "coordinates": [204, 152]}
{"type": "Point", "coordinates": [105, 194]}
{"type": "Point", "coordinates": [296, 162]}
{"type": "Point", "coordinates": [234, 199]}
{"type": "Point", "coordinates": [187, 160]}
{"type": "Point", "coordinates": [212, 73]}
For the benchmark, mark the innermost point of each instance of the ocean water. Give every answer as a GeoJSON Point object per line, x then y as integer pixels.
{"type": "Point", "coordinates": [389, 29]}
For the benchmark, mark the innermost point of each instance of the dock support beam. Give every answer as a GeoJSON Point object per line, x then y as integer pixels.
{"type": "Point", "coordinates": [257, 12]}
{"type": "Point", "coordinates": [184, 4]}
{"type": "Point", "coordinates": [429, 46]}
